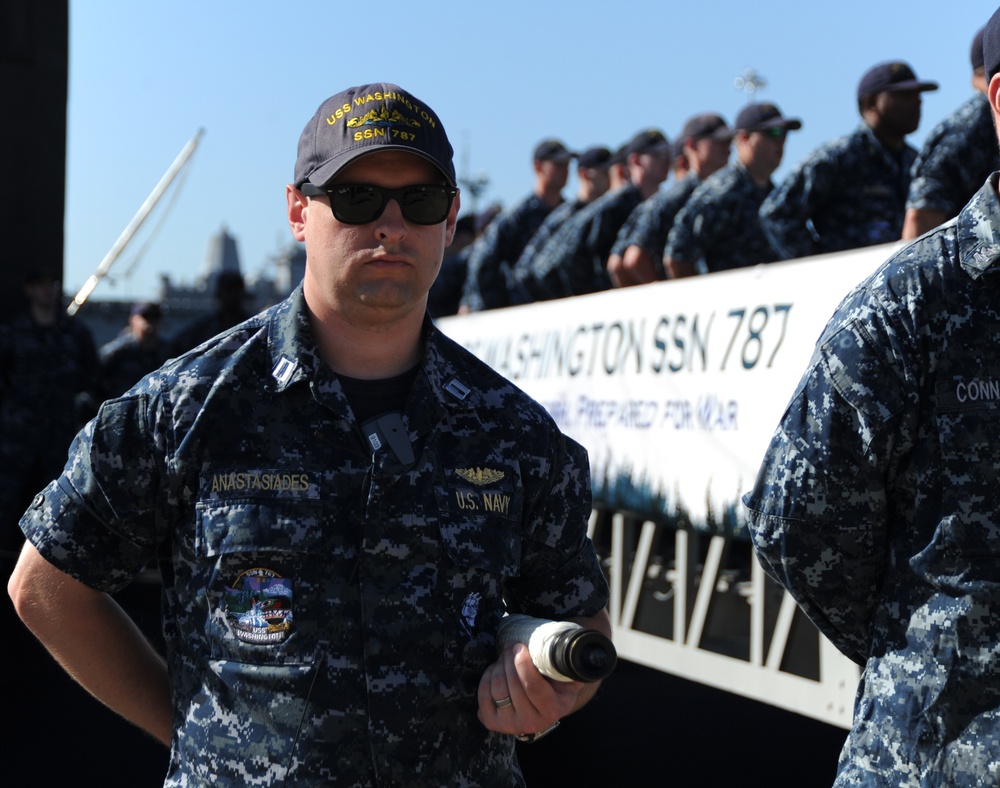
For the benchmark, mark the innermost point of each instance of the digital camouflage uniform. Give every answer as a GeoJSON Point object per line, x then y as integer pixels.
{"type": "Point", "coordinates": [574, 260]}
{"type": "Point", "coordinates": [497, 250]}
{"type": "Point", "coordinates": [878, 505]}
{"type": "Point", "coordinates": [123, 362]}
{"type": "Point", "coordinates": [328, 613]}
{"type": "Point", "coordinates": [719, 226]}
{"type": "Point", "coordinates": [849, 193]}
{"type": "Point", "coordinates": [649, 225]}
{"type": "Point", "coordinates": [956, 157]}
{"type": "Point", "coordinates": [45, 371]}
{"type": "Point", "coordinates": [552, 223]}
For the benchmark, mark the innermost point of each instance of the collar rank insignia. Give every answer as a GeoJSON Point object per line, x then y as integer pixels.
{"type": "Point", "coordinates": [480, 476]}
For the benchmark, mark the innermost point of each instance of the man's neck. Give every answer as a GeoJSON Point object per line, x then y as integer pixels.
{"type": "Point", "coordinates": [368, 350]}
{"type": "Point", "coordinates": [550, 197]}
{"type": "Point", "coordinates": [43, 315]}
{"type": "Point", "coordinates": [890, 142]}
{"type": "Point", "coordinates": [759, 175]}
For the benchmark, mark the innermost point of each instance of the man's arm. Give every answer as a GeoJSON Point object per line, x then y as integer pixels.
{"type": "Point", "coordinates": [95, 642]}
{"type": "Point", "coordinates": [635, 267]}
{"type": "Point", "coordinates": [921, 220]}
{"type": "Point", "coordinates": [678, 269]}
{"type": "Point", "coordinates": [537, 702]}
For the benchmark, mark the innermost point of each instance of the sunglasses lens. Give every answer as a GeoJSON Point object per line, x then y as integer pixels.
{"type": "Point", "coordinates": [361, 204]}
{"type": "Point", "coordinates": [356, 204]}
{"type": "Point", "coordinates": [425, 204]}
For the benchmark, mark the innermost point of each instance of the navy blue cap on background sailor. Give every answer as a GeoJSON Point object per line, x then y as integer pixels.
{"type": "Point", "coordinates": [892, 75]}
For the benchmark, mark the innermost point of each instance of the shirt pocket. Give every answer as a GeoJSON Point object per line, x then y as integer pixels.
{"type": "Point", "coordinates": [479, 523]}
{"type": "Point", "coordinates": [480, 519]}
{"type": "Point", "coordinates": [264, 574]}
{"type": "Point", "coordinates": [964, 553]}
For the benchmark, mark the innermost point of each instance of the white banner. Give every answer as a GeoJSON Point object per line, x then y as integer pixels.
{"type": "Point", "coordinates": [674, 388]}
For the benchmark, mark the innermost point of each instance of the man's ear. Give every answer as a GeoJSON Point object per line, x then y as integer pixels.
{"type": "Point", "coordinates": [297, 205]}
{"type": "Point", "coordinates": [993, 92]}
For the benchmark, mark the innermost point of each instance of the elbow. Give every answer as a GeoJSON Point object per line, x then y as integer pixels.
{"type": "Point", "coordinates": [31, 587]}
{"type": "Point", "coordinates": [18, 589]}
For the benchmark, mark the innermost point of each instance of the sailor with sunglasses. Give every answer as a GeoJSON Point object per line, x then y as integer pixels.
{"type": "Point", "coordinates": [718, 229]}
{"type": "Point", "coordinates": [342, 502]}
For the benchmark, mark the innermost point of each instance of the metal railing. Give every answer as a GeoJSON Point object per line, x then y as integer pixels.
{"type": "Point", "coordinates": [700, 607]}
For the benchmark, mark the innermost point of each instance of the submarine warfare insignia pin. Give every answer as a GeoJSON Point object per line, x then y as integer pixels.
{"type": "Point", "coordinates": [480, 476]}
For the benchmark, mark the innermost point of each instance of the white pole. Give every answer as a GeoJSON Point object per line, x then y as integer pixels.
{"type": "Point", "coordinates": [134, 225]}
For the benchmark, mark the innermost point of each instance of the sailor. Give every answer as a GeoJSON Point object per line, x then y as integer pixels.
{"type": "Point", "coordinates": [342, 502]}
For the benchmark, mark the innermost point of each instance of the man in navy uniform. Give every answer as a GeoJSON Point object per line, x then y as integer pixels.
{"type": "Point", "coordinates": [718, 228]}
{"type": "Point", "coordinates": [342, 503]}
{"type": "Point", "coordinates": [955, 159]}
{"type": "Point", "coordinates": [488, 284]}
{"type": "Point", "coordinates": [637, 256]}
{"type": "Point", "coordinates": [878, 504]}
{"type": "Point", "coordinates": [851, 191]}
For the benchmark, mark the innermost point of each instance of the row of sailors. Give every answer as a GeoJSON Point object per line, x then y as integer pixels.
{"type": "Point", "coordinates": [623, 229]}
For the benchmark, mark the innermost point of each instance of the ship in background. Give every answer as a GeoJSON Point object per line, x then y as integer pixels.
{"type": "Point", "coordinates": [183, 302]}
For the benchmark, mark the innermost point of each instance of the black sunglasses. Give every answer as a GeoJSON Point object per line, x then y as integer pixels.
{"type": "Point", "coordinates": [361, 203]}
{"type": "Point", "coordinates": [775, 133]}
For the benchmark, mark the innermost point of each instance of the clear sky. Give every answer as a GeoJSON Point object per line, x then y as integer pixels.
{"type": "Point", "coordinates": [144, 77]}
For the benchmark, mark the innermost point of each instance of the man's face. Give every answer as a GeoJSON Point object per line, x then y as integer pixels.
{"type": "Point", "coordinates": [650, 170]}
{"type": "Point", "coordinates": [708, 155]}
{"type": "Point", "coordinates": [598, 177]}
{"type": "Point", "coordinates": [43, 292]}
{"type": "Point", "coordinates": [144, 329]}
{"type": "Point", "coordinates": [371, 273]}
{"type": "Point", "coordinates": [898, 111]}
{"type": "Point", "coordinates": [554, 173]}
{"type": "Point", "coordinates": [764, 149]}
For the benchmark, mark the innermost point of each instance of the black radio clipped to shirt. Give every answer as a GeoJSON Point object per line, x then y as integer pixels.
{"type": "Point", "coordinates": [389, 431]}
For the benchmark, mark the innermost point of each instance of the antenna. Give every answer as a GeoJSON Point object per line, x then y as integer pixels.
{"type": "Point", "coordinates": [476, 186]}
{"type": "Point", "coordinates": [749, 82]}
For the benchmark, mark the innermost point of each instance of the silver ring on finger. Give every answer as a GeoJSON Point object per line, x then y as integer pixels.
{"type": "Point", "coordinates": [502, 703]}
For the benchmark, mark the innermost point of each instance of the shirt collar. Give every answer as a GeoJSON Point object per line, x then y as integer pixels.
{"type": "Point", "coordinates": [294, 357]}
{"type": "Point", "coordinates": [978, 230]}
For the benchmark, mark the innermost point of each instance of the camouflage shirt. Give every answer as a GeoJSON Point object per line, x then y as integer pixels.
{"type": "Point", "coordinates": [956, 157]}
{"type": "Point", "coordinates": [43, 370]}
{"type": "Point", "coordinates": [650, 223]}
{"type": "Point", "coordinates": [48, 375]}
{"type": "Point", "coordinates": [878, 505]}
{"type": "Point", "coordinates": [123, 362]}
{"type": "Point", "coordinates": [574, 260]}
{"type": "Point", "coordinates": [849, 193]}
{"type": "Point", "coordinates": [329, 610]}
{"type": "Point", "coordinates": [719, 226]}
{"type": "Point", "coordinates": [497, 250]}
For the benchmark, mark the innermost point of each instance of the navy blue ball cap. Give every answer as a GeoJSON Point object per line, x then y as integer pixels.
{"type": "Point", "coordinates": [596, 158]}
{"type": "Point", "coordinates": [991, 45]}
{"type": "Point", "coordinates": [976, 50]}
{"type": "Point", "coordinates": [552, 150]}
{"type": "Point", "coordinates": [891, 75]}
{"type": "Point", "coordinates": [760, 116]}
{"type": "Point", "coordinates": [148, 309]}
{"type": "Point", "coordinates": [367, 119]}
{"type": "Point", "coordinates": [652, 141]}
{"type": "Point", "coordinates": [708, 125]}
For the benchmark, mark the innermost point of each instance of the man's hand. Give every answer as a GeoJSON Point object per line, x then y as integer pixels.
{"type": "Point", "coordinates": [536, 702]}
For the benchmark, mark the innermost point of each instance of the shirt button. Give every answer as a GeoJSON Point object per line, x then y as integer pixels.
{"type": "Point", "coordinates": [39, 500]}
